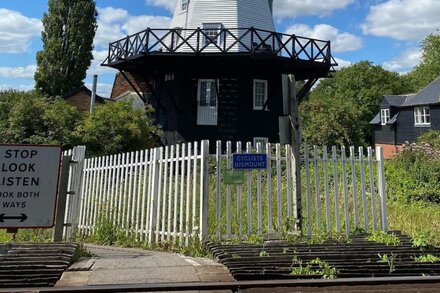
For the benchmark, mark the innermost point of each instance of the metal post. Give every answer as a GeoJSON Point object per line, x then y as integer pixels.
{"type": "Point", "coordinates": [204, 190]}
{"type": "Point", "coordinates": [381, 187]}
{"type": "Point", "coordinates": [295, 142]}
{"type": "Point", "coordinates": [62, 199]}
{"type": "Point", "coordinates": [93, 97]}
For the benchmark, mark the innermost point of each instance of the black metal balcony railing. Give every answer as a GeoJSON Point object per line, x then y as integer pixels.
{"type": "Point", "coordinates": [224, 41]}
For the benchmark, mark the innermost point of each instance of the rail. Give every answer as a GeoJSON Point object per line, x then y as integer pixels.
{"type": "Point", "coordinates": [220, 41]}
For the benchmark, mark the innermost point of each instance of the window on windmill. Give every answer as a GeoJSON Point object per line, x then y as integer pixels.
{"type": "Point", "coordinates": [260, 94]}
{"type": "Point", "coordinates": [211, 33]}
{"type": "Point", "coordinates": [384, 116]}
{"type": "Point", "coordinates": [422, 116]}
{"type": "Point", "coordinates": [184, 4]}
{"type": "Point", "coordinates": [207, 93]}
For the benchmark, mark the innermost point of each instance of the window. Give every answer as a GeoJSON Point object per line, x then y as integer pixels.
{"type": "Point", "coordinates": [207, 93]}
{"type": "Point", "coordinates": [212, 33]}
{"type": "Point", "coordinates": [184, 4]}
{"type": "Point", "coordinates": [260, 94]}
{"type": "Point", "coordinates": [176, 37]}
{"type": "Point", "coordinates": [384, 116]}
{"type": "Point", "coordinates": [422, 116]}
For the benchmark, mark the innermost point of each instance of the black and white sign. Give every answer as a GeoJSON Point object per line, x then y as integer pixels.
{"type": "Point", "coordinates": [28, 185]}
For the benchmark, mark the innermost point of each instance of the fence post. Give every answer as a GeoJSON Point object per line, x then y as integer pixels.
{"type": "Point", "coordinates": [204, 190]}
{"type": "Point", "coordinates": [153, 199]}
{"type": "Point", "coordinates": [62, 199]}
{"type": "Point", "coordinates": [381, 187]}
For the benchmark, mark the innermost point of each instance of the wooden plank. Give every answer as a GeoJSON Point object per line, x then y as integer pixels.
{"type": "Point", "coordinates": [289, 194]}
{"type": "Point", "coordinates": [345, 189]}
{"type": "Point", "coordinates": [182, 191]}
{"type": "Point", "coordinates": [249, 194]}
{"type": "Point", "coordinates": [259, 198]}
{"type": "Point", "coordinates": [158, 193]}
{"type": "Point", "coordinates": [382, 188]}
{"type": "Point", "coordinates": [336, 186]}
{"type": "Point", "coordinates": [239, 192]}
{"type": "Point", "coordinates": [204, 190]}
{"type": "Point", "coordinates": [164, 194]}
{"type": "Point", "coordinates": [144, 202]}
{"type": "Point", "coordinates": [279, 186]}
{"type": "Point", "coordinates": [228, 191]}
{"type": "Point", "coordinates": [176, 193]}
{"type": "Point", "coordinates": [317, 187]}
{"type": "Point", "coordinates": [170, 195]}
{"type": "Point", "coordinates": [372, 187]}
{"type": "Point", "coordinates": [354, 186]}
{"type": "Point", "coordinates": [269, 188]}
{"type": "Point", "coordinates": [218, 201]}
{"type": "Point", "coordinates": [187, 201]}
{"type": "Point", "coordinates": [363, 188]}
{"type": "Point", "coordinates": [308, 190]}
{"type": "Point", "coordinates": [194, 190]}
{"type": "Point", "coordinates": [326, 189]}
{"type": "Point", "coordinates": [137, 193]}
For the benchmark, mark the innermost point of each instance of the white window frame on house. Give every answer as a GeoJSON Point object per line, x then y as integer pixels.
{"type": "Point", "coordinates": [422, 116]}
{"type": "Point", "coordinates": [184, 4]}
{"type": "Point", "coordinates": [176, 38]}
{"type": "Point", "coordinates": [260, 97]}
{"type": "Point", "coordinates": [207, 105]}
{"type": "Point", "coordinates": [212, 33]}
{"type": "Point", "coordinates": [384, 116]}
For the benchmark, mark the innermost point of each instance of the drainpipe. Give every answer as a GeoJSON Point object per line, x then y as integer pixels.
{"type": "Point", "coordinates": [93, 98]}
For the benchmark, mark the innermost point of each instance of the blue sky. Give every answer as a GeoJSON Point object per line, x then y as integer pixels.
{"type": "Point", "coordinates": [386, 32]}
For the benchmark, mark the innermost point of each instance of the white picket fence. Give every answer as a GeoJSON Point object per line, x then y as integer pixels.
{"type": "Point", "coordinates": [351, 188]}
{"type": "Point", "coordinates": [177, 193]}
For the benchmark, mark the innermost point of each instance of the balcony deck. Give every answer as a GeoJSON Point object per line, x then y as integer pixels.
{"type": "Point", "coordinates": [248, 49]}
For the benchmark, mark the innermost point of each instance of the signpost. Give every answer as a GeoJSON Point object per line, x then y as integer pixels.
{"type": "Point", "coordinates": [28, 185]}
{"type": "Point", "coordinates": [249, 161]}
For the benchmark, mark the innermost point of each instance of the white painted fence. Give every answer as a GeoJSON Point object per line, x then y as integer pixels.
{"type": "Point", "coordinates": [177, 193]}
{"type": "Point", "coordinates": [351, 188]}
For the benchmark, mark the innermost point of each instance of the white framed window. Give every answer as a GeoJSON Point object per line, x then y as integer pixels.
{"type": "Point", "coordinates": [212, 33]}
{"type": "Point", "coordinates": [207, 102]}
{"type": "Point", "coordinates": [262, 140]}
{"type": "Point", "coordinates": [176, 37]}
{"type": "Point", "coordinates": [422, 116]}
{"type": "Point", "coordinates": [260, 94]}
{"type": "Point", "coordinates": [384, 116]}
{"type": "Point", "coordinates": [184, 4]}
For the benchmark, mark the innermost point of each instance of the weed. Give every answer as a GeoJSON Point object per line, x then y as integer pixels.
{"type": "Point", "coordinates": [81, 251]}
{"type": "Point", "coordinates": [264, 253]}
{"type": "Point", "coordinates": [285, 250]}
{"type": "Point", "coordinates": [323, 268]}
{"type": "Point", "coordinates": [427, 258]}
{"type": "Point", "coordinates": [384, 238]}
{"type": "Point", "coordinates": [389, 259]}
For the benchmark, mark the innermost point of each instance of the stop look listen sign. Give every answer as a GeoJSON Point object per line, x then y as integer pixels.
{"type": "Point", "coordinates": [28, 185]}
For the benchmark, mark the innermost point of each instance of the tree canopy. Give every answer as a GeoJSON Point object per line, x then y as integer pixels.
{"type": "Point", "coordinates": [339, 109]}
{"type": "Point", "coordinates": [69, 29]}
{"type": "Point", "coordinates": [429, 67]}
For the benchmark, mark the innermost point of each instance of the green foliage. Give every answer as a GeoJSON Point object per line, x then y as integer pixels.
{"type": "Point", "coordinates": [414, 175]}
{"type": "Point", "coordinates": [427, 258]}
{"type": "Point", "coordinates": [68, 31]}
{"type": "Point", "coordinates": [264, 253]}
{"type": "Point", "coordinates": [116, 127]}
{"type": "Point", "coordinates": [29, 118]}
{"type": "Point", "coordinates": [429, 67]}
{"type": "Point", "coordinates": [389, 259]}
{"type": "Point", "coordinates": [314, 267]}
{"type": "Point", "coordinates": [80, 252]}
{"type": "Point", "coordinates": [339, 109]}
{"type": "Point", "coordinates": [431, 137]}
{"type": "Point", "coordinates": [384, 238]}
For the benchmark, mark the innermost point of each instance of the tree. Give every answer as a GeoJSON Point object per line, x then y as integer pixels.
{"type": "Point", "coordinates": [116, 127]}
{"type": "Point", "coordinates": [429, 67]}
{"type": "Point", "coordinates": [29, 118]}
{"type": "Point", "coordinates": [339, 109]}
{"type": "Point", "coordinates": [69, 29]}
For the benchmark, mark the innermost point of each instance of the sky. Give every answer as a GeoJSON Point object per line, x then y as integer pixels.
{"type": "Point", "coordinates": [385, 32]}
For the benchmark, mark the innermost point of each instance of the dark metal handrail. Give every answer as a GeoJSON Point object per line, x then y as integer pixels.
{"type": "Point", "coordinates": [226, 41]}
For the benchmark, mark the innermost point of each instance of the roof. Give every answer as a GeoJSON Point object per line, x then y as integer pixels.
{"type": "Point", "coordinates": [83, 88]}
{"type": "Point", "coordinates": [376, 119]}
{"type": "Point", "coordinates": [393, 120]}
{"type": "Point", "coordinates": [429, 95]}
{"type": "Point", "coordinates": [396, 100]}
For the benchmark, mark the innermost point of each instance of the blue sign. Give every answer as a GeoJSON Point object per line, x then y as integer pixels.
{"type": "Point", "coordinates": [249, 161]}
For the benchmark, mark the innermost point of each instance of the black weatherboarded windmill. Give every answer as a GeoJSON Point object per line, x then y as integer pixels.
{"type": "Point", "coordinates": [217, 72]}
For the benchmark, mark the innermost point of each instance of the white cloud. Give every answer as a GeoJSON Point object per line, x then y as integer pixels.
{"type": "Point", "coordinates": [102, 89]}
{"type": "Point", "coordinates": [168, 4]}
{"type": "Point", "coordinates": [403, 19]}
{"type": "Point", "coordinates": [342, 63]}
{"type": "Point", "coordinates": [21, 87]}
{"type": "Point", "coordinates": [293, 8]}
{"type": "Point", "coordinates": [116, 23]}
{"type": "Point", "coordinates": [405, 61]}
{"type": "Point", "coordinates": [139, 23]}
{"type": "Point", "coordinates": [340, 42]}
{"type": "Point", "coordinates": [96, 68]}
{"type": "Point", "coordinates": [18, 72]}
{"type": "Point", "coordinates": [17, 31]}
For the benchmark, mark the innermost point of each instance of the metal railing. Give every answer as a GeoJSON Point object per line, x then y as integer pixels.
{"type": "Point", "coordinates": [225, 41]}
